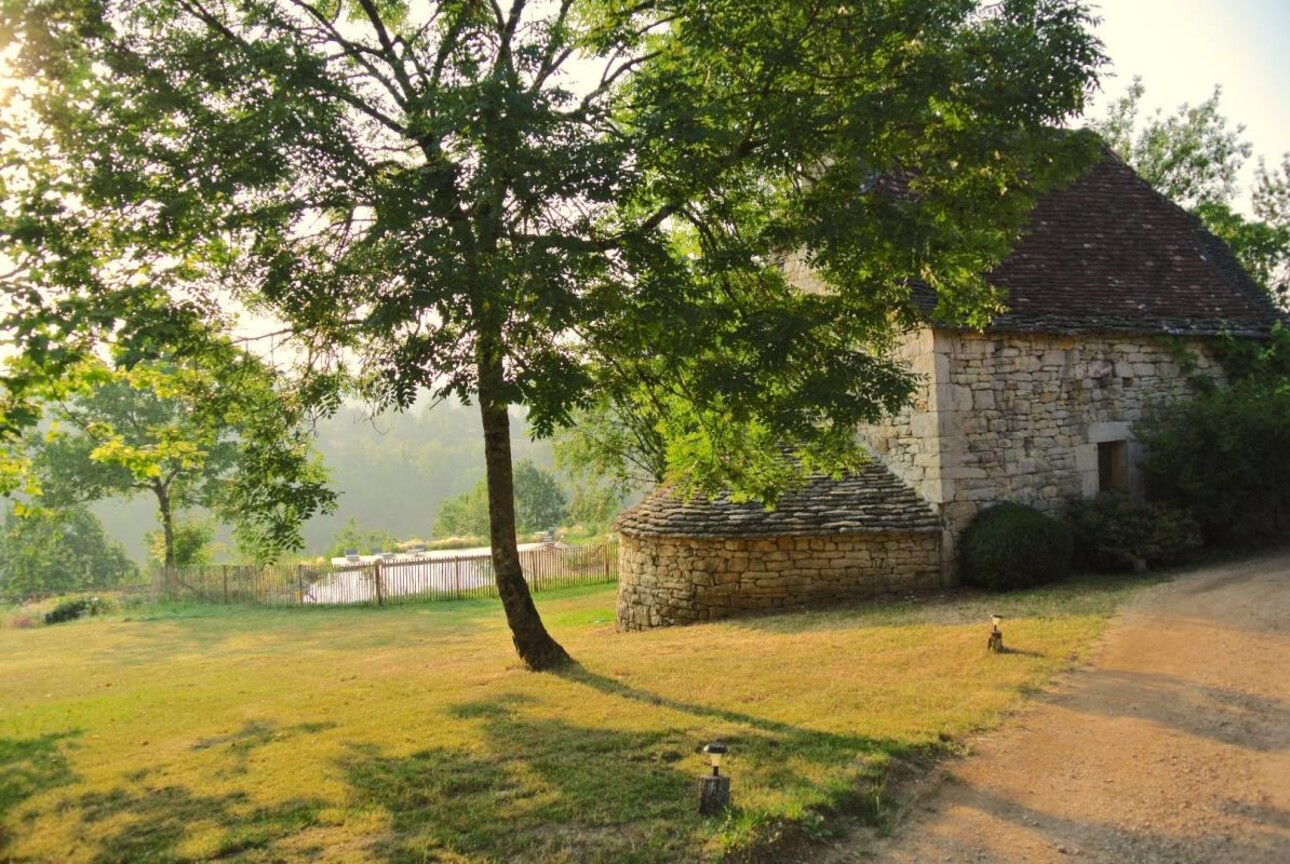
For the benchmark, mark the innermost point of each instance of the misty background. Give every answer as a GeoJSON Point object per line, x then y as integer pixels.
{"type": "Point", "coordinates": [392, 472]}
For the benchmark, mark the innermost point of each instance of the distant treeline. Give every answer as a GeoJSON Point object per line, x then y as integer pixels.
{"type": "Point", "coordinates": [393, 472]}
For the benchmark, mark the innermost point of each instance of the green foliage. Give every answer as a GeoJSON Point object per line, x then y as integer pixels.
{"type": "Point", "coordinates": [367, 541]}
{"type": "Point", "coordinates": [444, 199]}
{"type": "Point", "coordinates": [1257, 362]}
{"type": "Point", "coordinates": [465, 515]}
{"type": "Point", "coordinates": [1194, 158]}
{"type": "Point", "coordinates": [1116, 533]}
{"type": "Point", "coordinates": [71, 609]}
{"type": "Point", "coordinates": [540, 504]}
{"type": "Point", "coordinates": [442, 191]}
{"type": "Point", "coordinates": [51, 550]}
{"type": "Point", "coordinates": [215, 434]}
{"type": "Point", "coordinates": [614, 440]}
{"type": "Point", "coordinates": [191, 540]}
{"type": "Point", "coordinates": [1010, 546]}
{"type": "Point", "coordinates": [594, 507]}
{"type": "Point", "coordinates": [1225, 456]}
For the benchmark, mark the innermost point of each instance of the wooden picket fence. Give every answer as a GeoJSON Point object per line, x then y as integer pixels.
{"type": "Point", "coordinates": [383, 581]}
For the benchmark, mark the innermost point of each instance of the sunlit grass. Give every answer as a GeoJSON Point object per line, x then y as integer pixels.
{"type": "Point", "coordinates": [411, 733]}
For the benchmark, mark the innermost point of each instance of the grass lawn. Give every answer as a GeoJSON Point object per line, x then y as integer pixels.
{"type": "Point", "coordinates": [410, 734]}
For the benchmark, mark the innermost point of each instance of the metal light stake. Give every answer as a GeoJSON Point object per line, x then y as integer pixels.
{"type": "Point", "coordinates": [714, 791]}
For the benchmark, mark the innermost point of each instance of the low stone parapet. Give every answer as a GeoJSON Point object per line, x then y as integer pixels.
{"type": "Point", "coordinates": [667, 580]}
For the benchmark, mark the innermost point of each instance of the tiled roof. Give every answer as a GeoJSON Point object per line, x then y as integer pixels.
{"type": "Point", "coordinates": [871, 499]}
{"type": "Point", "coordinates": [1109, 253]}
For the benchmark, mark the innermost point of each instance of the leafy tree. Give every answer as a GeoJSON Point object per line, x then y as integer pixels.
{"type": "Point", "coordinates": [1195, 157]}
{"type": "Point", "coordinates": [49, 550]}
{"type": "Point", "coordinates": [616, 440]}
{"type": "Point", "coordinates": [465, 515]}
{"type": "Point", "coordinates": [1225, 455]}
{"type": "Point", "coordinates": [594, 506]}
{"type": "Point", "coordinates": [191, 542]}
{"type": "Point", "coordinates": [539, 503]}
{"type": "Point", "coordinates": [189, 436]}
{"type": "Point", "coordinates": [444, 191]}
{"type": "Point", "coordinates": [367, 541]}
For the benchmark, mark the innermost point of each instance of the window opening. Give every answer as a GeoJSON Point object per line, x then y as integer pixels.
{"type": "Point", "coordinates": [1113, 466]}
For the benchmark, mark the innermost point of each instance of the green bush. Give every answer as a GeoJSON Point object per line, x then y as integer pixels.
{"type": "Point", "coordinates": [70, 610]}
{"type": "Point", "coordinates": [1224, 456]}
{"type": "Point", "coordinates": [1114, 533]}
{"type": "Point", "coordinates": [1010, 546]}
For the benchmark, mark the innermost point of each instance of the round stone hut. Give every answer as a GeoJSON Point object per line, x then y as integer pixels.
{"type": "Point", "coordinates": [864, 535]}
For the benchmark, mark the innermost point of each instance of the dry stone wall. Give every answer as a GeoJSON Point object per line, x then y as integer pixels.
{"type": "Point", "coordinates": [1019, 416]}
{"type": "Point", "coordinates": [667, 580]}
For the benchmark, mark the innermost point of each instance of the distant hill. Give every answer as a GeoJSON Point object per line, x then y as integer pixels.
{"type": "Point", "coordinates": [393, 472]}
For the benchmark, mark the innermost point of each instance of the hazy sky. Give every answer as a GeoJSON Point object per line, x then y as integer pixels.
{"type": "Point", "coordinates": [1182, 48]}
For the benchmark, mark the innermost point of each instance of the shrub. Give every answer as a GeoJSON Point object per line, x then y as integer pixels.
{"type": "Point", "coordinates": [1225, 456]}
{"type": "Point", "coordinates": [1011, 546]}
{"type": "Point", "coordinates": [1114, 533]}
{"type": "Point", "coordinates": [70, 610]}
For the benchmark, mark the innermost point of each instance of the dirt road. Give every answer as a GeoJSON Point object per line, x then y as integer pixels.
{"type": "Point", "coordinates": [1172, 746]}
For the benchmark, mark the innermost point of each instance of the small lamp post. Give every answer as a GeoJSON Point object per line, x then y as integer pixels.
{"type": "Point", "coordinates": [995, 642]}
{"type": "Point", "coordinates": [714, 790]}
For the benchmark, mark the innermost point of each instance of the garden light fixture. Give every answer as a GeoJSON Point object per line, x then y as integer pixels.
{"type": "Point", "coordinates": [714, 790]}
{"type": "Point", "coordinates": [995, 642]}
{"type": "Point", "coordinates": [715, 751]}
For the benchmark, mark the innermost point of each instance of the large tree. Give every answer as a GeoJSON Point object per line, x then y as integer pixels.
{"type": "Point", "coordinates": [540, 504]}
{"type": "Point", "coordinates": [214, 436]}
{"type": "Point", "coordinates": [511, 200]}
{"type": "Point", "coordinates": [55, 549]}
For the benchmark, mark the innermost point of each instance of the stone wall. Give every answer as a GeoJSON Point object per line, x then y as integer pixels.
{"type": "Point", "coordinates": [1019, 416]}
{"type": "Point", "coordinates": [681, 580]}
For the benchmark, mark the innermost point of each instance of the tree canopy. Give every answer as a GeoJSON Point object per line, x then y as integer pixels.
{"type": "Point", "coordinates": [1195, 157]}
{"type": "Point", "coordinates": [218, 437]}
{"type": "Point", "coordinates": [515, 202]}
{"type": "Point", "coordinates": [51, 550]}
{"type": "Point", "coordinates": [540, 504]}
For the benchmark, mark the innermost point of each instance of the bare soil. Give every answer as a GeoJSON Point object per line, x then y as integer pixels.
{"type": "Point", "coordinates": [1171, 745]}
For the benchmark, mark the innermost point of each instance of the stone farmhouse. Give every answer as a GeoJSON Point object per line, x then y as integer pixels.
{"type": "Point", "coordinates": [1111, 288]}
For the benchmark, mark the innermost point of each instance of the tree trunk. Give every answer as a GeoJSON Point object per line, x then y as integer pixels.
{"type": "Point", "coordinates": [167, 535]}
{"type": "Point", "coordinates": [535, 646]}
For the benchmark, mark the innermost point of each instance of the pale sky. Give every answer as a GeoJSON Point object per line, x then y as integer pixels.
{"type": "Point", "coordinates": [1182, 48]}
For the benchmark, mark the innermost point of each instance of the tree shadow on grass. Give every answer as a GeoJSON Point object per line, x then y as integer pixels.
{"type": "Point", "coordinates": [149, 819]}
{"type": "Point", "coordinates": [29, 766]}
{"type": "Point", "coordinates": [854, 766]}
{"type": "Point", "coordinates": [240, 745]}
{"type": "Point", "coordinates": [543, 788]}
{"type": "Point", "coordinates": [540, 790]}
{"type": "Point", "coordinates": [159, 820]}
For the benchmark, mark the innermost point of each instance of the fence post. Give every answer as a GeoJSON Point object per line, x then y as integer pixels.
{"type": "Point", "coordinates": [376, 568]}
{"type": "Point", "coordinates": [300, 577]}
{"type": "Point", "coordinates": [456, 576]}
{"type": "Point", "coordinates": [224, 573]}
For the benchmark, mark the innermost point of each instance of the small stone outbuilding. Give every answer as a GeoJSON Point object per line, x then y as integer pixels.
{"type": "Point", "coordinates": [830, 541]}
{"type": "Point", "coordinates": [1115, 299]}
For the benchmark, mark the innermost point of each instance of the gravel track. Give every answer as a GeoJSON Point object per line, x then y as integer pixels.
{"type": "Point", "coordinates": [1172, 746]}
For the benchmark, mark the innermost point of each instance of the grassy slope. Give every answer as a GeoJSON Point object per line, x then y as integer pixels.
{"type": "Point", "coordinates": [410, 734]}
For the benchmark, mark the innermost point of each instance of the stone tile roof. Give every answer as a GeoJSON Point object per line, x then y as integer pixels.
{"type": "Point", "coordinates": [1109, 253]}
{"type": "Point", "coordinates": [871, 499]}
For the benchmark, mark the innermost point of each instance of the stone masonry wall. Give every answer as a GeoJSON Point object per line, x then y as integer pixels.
{"type": "Point", "coordinates": [1019, 416]}
{"type": "Point", "coordinates": [681, 580]}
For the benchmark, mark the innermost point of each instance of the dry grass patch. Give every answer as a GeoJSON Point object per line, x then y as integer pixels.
{"type": "Point", "coordinates": [411, 734]}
